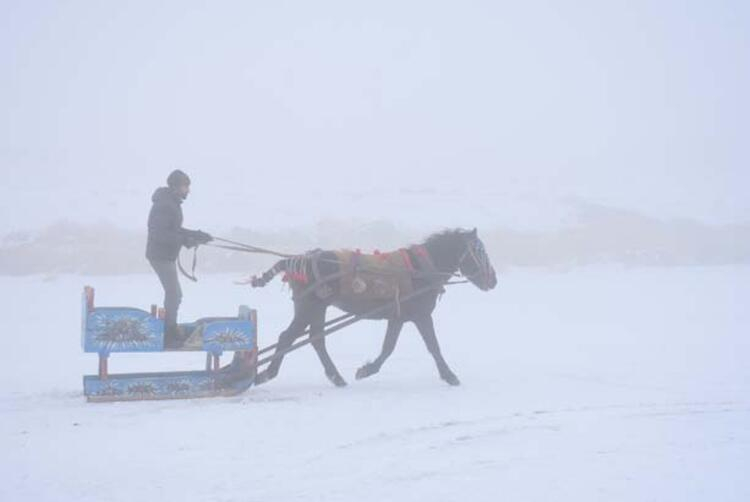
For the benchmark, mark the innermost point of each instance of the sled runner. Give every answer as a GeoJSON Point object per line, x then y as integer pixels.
{"type": "Point", "coordinates": [107, 330]}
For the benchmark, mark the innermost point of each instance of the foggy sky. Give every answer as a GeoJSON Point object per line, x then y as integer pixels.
{"type": "Point", "coordinates": [642, 105]}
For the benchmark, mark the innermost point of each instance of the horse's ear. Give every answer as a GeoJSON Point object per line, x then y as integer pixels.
{"type": "Point", "coordinates": [474, 232]}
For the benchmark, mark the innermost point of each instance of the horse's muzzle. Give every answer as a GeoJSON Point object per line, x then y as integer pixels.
{"type": "Point", "coordinates": [491, 281]}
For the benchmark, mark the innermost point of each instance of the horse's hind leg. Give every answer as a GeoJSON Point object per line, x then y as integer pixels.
{"type": "Point", "coordinates": [317, 325]}
{"type": "Point", "coordinates": [389, 343]}
{"type": "Point", "coordinates": [427, 330]}
{"type": "Point", "coordinates": [286, 339]}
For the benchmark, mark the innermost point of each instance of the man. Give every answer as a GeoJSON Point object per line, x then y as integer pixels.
{"type": "Point", "coordinates": [165, 239]}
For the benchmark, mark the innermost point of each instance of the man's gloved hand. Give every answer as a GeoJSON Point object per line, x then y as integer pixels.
{"type": "Point", "coordinates": [190, 241]}
{"type": "Point", "coordinates": [196, 237]}
{"type": "Point", "coordinates": [202, 237]}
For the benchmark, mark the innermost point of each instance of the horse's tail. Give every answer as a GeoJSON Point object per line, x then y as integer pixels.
{"type": "Point", "coordinates": [268, 275]}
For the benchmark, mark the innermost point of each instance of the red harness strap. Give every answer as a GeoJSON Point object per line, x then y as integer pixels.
{"type": "Point", "coordinates": [407, 259]}
{"type": "Point", "coordinates": [423, 258]}
{"type": "Point", "coordinates": [421, 251]}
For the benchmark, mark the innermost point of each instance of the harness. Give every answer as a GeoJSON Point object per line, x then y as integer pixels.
{"type": "Point", "coordinates": [297, 272]}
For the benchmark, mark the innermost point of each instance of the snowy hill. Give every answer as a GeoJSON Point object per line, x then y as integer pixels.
{"type": "Point", "coordinates": [598, 234]}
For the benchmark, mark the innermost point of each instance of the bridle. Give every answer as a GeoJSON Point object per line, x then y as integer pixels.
{"type": "Point", "coordinates": [475, 250]}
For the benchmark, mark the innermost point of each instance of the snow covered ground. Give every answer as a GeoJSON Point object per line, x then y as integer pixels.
{"type": "Point", "coordinates": [600, 383]}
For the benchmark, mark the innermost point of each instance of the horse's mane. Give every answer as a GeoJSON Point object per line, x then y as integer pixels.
{"type": "Point", "coordinates": [442, 235]}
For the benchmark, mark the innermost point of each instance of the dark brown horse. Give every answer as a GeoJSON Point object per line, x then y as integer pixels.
{"type": "Point", "coordinates": [320, 279]}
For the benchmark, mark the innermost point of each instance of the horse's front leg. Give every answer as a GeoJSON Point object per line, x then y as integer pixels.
{"type": "Point", "coordinates": [389, 343]}
{"type": "Point", "coordinates": [427, 330]}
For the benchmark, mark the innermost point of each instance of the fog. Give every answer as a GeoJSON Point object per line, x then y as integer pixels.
{"type": "Point", "coordinates": [600, 149]}
{"type": "Point", "coordinates": [418, 115]}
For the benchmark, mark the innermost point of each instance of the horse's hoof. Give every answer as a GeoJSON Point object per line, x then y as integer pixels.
{"type": "Point", "coordinates": [365, 371]}
{"type": "Point", "coordinates": [262, 378]}
{"type": "Point", "coordinates": [451, 379]}
{"type": "Point", "coordinates": [337, 380]}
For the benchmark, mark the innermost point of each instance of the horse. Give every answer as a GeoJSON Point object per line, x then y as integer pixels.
{"type": "Point", "coordinates": [429, 267]}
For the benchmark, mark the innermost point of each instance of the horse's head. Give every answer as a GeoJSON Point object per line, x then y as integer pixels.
{"type": "Point", "coordinates": [475, 264]}
{"type": "Point", "coordinates": [462, 251]}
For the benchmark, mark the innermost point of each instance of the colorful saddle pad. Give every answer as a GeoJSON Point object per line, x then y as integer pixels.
{"type": "Point", "coordinates": [379, 276]}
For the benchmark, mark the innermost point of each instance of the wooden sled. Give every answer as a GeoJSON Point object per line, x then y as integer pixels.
{"type": "Point", "coordinates": [106, 330]}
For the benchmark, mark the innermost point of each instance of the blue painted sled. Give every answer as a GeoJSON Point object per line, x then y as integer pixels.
{"type": "Point", "coordinates": [106, 330]}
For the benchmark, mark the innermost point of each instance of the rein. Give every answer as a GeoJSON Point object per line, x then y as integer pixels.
{"type": "Point", "coordinates": [232, 246]}
{"type": "Point", "coordinates": [246, 248]}
{"type": "Point", "coordinates": [190, 276]}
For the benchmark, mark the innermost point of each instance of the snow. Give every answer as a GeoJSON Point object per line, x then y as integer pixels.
{"type": "Point", "coordinates": [598, 383]}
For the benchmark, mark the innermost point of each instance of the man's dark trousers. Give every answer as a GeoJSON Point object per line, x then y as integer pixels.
{"type": "Point", "coordinates": [167, 272]}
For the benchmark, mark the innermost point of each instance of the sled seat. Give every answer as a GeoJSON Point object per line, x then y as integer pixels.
{"type": "Point", "coordinates": [126, 329]}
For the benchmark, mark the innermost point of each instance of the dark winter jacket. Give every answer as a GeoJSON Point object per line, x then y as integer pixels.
{"type": "Point", "coordinates": [165, 233]}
